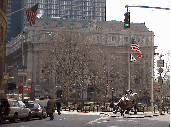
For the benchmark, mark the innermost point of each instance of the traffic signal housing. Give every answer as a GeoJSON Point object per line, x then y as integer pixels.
{"type": "Point", "coordinates": [127, 20]}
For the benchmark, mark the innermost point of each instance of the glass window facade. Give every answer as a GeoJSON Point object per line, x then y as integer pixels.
{"type": "Point", "coordinates": [77, 9]}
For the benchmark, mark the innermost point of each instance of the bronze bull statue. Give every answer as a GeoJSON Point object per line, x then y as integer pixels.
{"type": "Point", "coordinates": [127, 102]}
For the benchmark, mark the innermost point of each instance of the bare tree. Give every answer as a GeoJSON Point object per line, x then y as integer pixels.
{"type": "Point", "coordinates": [70, 57]}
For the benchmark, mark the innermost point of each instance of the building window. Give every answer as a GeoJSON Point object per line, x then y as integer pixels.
{"type": "Point", "coordinates": [97, 38]}
{"type": "Point", "coordinates": [125, 39]}
{"type": "Point", "coordinates": [113, 38]}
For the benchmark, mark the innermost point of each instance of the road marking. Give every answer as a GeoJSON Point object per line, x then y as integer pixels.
{"type": "Point", "coordinates": [121, 120]}
{"type": "Point", "coordinates": [103, 117]}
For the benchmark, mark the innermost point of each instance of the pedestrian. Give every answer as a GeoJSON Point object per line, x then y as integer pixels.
{"type": "Point", "coordinates": [58, 105]}
{"type": "Point", "coordinates": [51, 108]}
{"type": "Point", "coordinates": [111, 106]}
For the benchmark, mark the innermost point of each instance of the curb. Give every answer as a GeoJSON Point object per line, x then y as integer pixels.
{"type": "Point", "coordinates": [148, 116]}
{"type": "Point", "coordinates": [134, 117]}
{"type": "Point", "coordinates": [114, 116]}
{"type": "Point", "coordinates": [155, 115]}
{"type": "Point", "coordinates": [130, 114]}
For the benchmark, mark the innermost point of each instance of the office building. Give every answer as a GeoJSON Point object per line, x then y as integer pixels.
{"type": "Point", "coordinates": [110, 35]}
{"type": "Point", "coordinates": [3, 29]}
{"type": "Point", "coordinates": [15, 22]}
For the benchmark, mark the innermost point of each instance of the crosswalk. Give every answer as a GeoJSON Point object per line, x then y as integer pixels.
{"type": "Point", "coordinates": [103, 119]}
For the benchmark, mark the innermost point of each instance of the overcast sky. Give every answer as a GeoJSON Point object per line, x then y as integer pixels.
{"type": "Point", "coordinates": [157, 20]}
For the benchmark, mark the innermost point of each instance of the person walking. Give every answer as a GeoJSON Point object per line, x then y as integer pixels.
{"type": "Point", "coordinates": [58, 105]}
{"type": "Point", "coordinates": [111, 106]}
{"type": "Point", "coordinates": [51, 108]}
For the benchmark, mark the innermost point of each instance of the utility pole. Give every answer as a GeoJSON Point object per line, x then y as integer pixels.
{"type": "Point", "coordinates": [160, 63]}
{"type": "Point", "coordinates": [152, 70]}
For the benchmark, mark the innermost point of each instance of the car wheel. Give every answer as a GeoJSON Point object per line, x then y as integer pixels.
{"type": "Point", "coordinates": [41, 116]}
{"type": "Point", "coordinates": [29, 117]}
{"type": "Point", "coordinates": [14, 119]}
{"type": "Point", "coordinates": [45, 115]}
{"type": "Point", "coordinates": [21, 119]}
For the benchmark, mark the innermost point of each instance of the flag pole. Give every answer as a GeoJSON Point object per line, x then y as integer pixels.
{"type": "Point", "coordinates": [17, 11]}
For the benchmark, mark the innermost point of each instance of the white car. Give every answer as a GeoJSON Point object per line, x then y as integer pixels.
{"type": "Point", "coordinates": [18, 110]}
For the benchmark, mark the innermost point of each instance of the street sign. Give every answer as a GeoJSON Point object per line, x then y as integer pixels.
{"type": "Point", "coordinates": [29, 90]}
{"type": "Point", "coordinates": [158, 88]}
{"type": "Point", "coordinates": [160, 79]}
{"type": "Point", "coordinates": [22, 72]}
{"type": "Point", "coordinates": [160, 63]}
{"type": "Point", "coordinates": [20, 89]}
{"type": "Point", "coordinates": [6, 76]}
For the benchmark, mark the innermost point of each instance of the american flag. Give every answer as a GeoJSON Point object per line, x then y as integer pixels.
{"type": "Point", "coordinates": [31, 14]}
{"type": "Point", "coordinates": [135, 47]}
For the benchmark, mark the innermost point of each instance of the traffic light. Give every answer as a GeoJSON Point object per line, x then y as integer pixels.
{"type": "Point", "coordinates": [127, 20]}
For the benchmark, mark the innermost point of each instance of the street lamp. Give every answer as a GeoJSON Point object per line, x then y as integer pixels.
{"type": "Point", "coordinates": [112, 95]}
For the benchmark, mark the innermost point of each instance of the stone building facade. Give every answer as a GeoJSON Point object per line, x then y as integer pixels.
{"type": "Point", "coordinates": [110, 35]}
{"type": "Point", "coordinates": [3, 30]}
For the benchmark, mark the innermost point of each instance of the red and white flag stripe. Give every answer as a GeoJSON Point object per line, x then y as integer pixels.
{"type": "Point", "coordinates": [31, 14]}
{"type": "Point", "coordinates": [135, 47]}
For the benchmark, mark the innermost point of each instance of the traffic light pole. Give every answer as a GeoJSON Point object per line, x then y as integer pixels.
{"type": "Point", "coordinates": [129, 64]}
{"type": "Point", "coordinates": [128, 26]}
{"type": "Point", "coordinates": [146, 7]}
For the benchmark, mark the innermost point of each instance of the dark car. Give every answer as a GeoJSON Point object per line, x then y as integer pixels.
{"type": "Point", "coordinates": [38, 111]}
{"type": "Point", "coordinates": [4, 105]}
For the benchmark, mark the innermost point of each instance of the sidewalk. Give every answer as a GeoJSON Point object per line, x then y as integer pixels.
{"type": "Point", "coordinates": [145, 115]}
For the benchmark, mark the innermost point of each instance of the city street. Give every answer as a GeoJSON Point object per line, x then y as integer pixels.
{"type": "Point", "coordinates": [74, 119]}
{"type": "Point", "coordinates": [101, 63]}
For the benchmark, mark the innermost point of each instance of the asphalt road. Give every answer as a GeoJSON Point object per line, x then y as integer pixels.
{"type": "Point", "coordinates": [75, 120]}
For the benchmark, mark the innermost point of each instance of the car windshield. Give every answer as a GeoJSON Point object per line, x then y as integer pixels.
{"type": "Point", "coordinates": [36, 106]}
{"type": "Point", "coordinates": [30, 105]}
{"type": "Point", "coordinates": [21, 104]}
{"type": "Point", "coordinates": [13, 103]}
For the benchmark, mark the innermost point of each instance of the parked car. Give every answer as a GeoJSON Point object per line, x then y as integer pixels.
{"type": "Point", "coordinates": [41, 102]}
{"type": "Point", "coordinates": [38, 111]}
{"type": "Point", "coordinates": [17, 110]}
